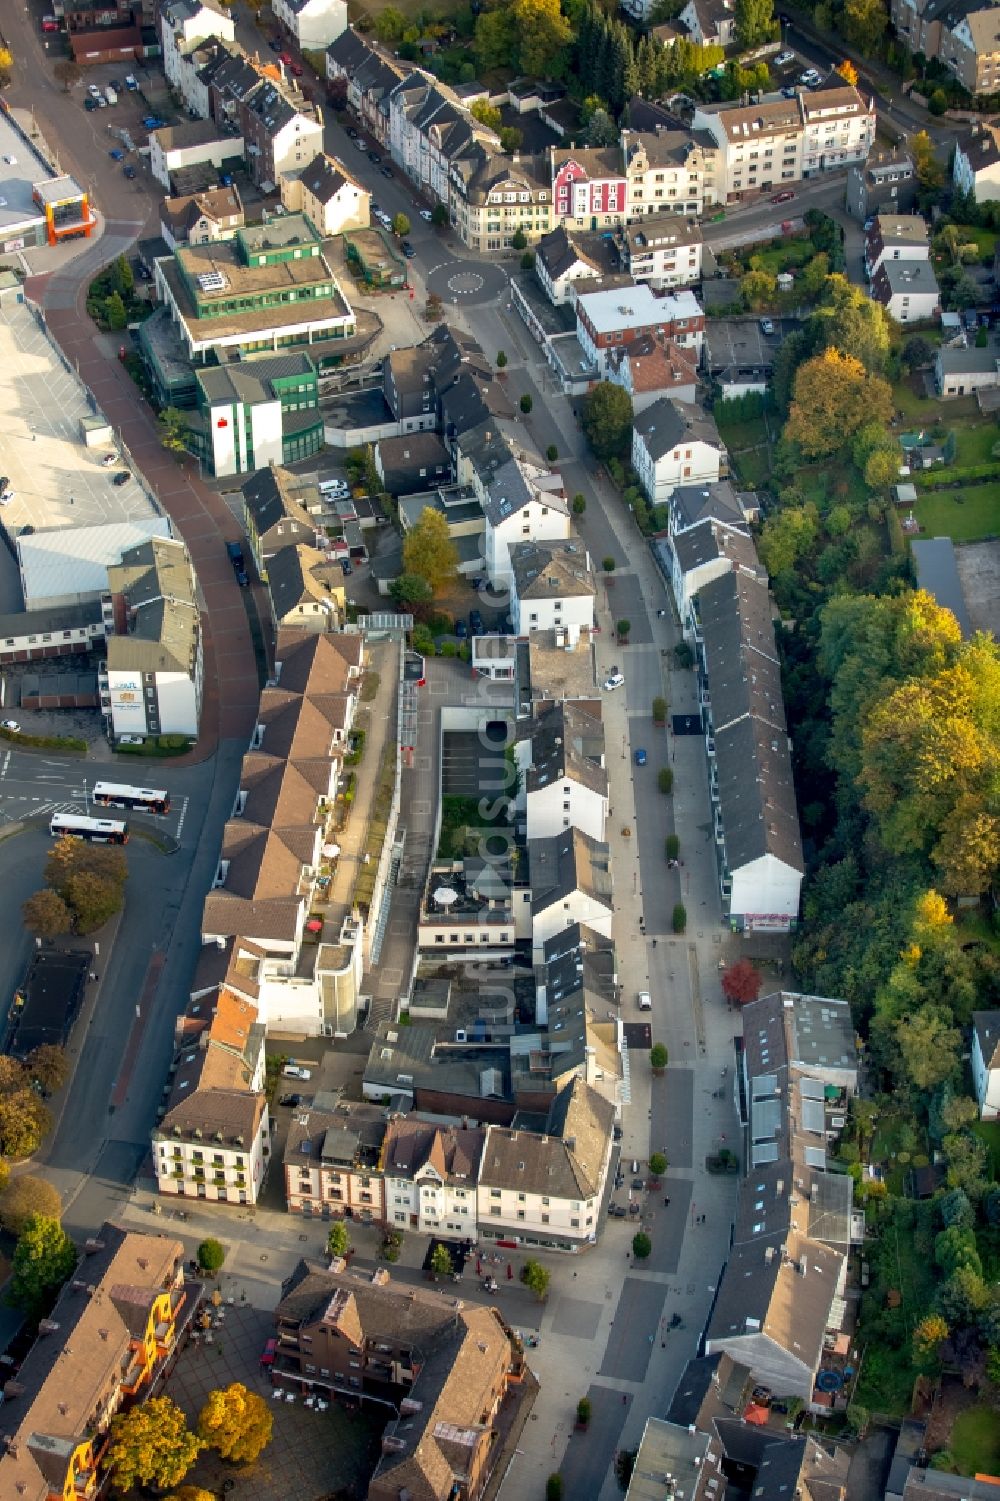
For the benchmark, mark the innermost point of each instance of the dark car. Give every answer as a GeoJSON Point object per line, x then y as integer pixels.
{"type": "Point", "coordinates": [290, 1099]}
{"type": "Point", "coordinates": [90, 103]}
{"type": "Point", "coordinates": [274, 44]}
{"type": "Point", "coordinates": [345, 564]}
{"type": "Point", "coordinates": [351, 132]}
{"type": "Point", "coordinates": [638, 1185]}
{"type": "Point", "coordinates": [785, 197]}
{"type": "Point", "coordinates": [129, 171]}
{"type": "Point", "coordinates": [373, 156]}
{"type": "Point", "coordinates": [116, 154]}
{"type": "Point", "coordinates": [143, 273]}
{"type": "Point", "coordinates": [475, 623]}
{"type": "Point", "coordinates": [122, 477]}
{"type": "Point", "coordinates": [617, 1210]}
{"type": "Point", "coordinates": [788, 92]}
{"type": "Point", "coordinates": [461, 630]}
{"type": "Point", "coordinates": [386, 171]}
{"type": "Point", "coordinates": [407, 250]}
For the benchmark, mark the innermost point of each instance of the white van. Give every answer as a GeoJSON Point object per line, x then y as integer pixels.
{"type": "Point", "coordinates": [645, 1001]}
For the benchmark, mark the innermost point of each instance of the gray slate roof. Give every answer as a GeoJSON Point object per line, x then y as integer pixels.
{"type": "Point", "coordinates": [666, 423]}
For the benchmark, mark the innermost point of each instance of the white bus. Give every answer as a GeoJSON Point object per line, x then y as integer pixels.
{"type": "Point", "coordinates": [98, 830]}
{"type": "Point", "coordinates": [117, 795]}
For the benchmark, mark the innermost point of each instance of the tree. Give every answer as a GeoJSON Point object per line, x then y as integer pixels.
{"type": "Point", "coordinates": [659, 710]}
{"type": "Point", "coordinates": [788, 535]}
{"type": "Point", "coordinates": [67, 73]}
{"type": "Point", "coordinates": [46, 914]}
{"type": "Point", "coordinates": [848, 72]}
{"type": "Point", "coordinates": [430, 553]}
{"type": "Point", "coordinates": [641, 1245]}
{"type": "Point", "coordinates": [657, 1164]}
{"type": "Point", "coordinates": [679, 918]}
{"type": "Point", "coordinates": [601, 129]}
{"type": "Point", "coordinates": [962, 1298]}
{"type": "Point", "coordinates": [554, 1488]}
{"type": "Point", "coordinates": [496, 39]}
{"type": "Point", "coordinates": [928, 1045]}
{"type": "Point", "coordinates": [93, 900]}
{"type": "Point", "coordinates": [665, 780]}
{"type": "Point", "coordinates": [864, 24]}
{"type": "Point", "coordinates": [536, 1277]}
{"type": "Point", "coordinates": [928, 1334]}
{"type": "Point", "coordinates": [337, 1240]}
{"type": "Point", "coordinates": [606, 418]}
{"type": "Point", "coordinates": [237, 1422]}
{"type": "Point", "coordinates": [71, 858]}
{"type": "Point", "coordinates": [501, 359]}
{"type": "Point", "coordinates": [24, 1121]}
{"type": "Point", "coordinates": [173, 430]}
{"type": "Point", "coordinates": [526, 403]}
{"type": "Point", "coordinates": [191, 1493]}
{"type": "Point", "coordinates": [930, 172]}
{"type": "Point", "coordinates": [439, 215]}
{"type": "Point", "coordinates": [833, 396]}
{"type": "Point", "coordinates": [671, 847]}
{"type": "Point", "coordinates": [114, 312]}
{"type": "Point", "coordinates": [410, 590]}
{"type": "Point", "coordinates": [400, 226]}
{"type": "Point", "coordinates": [583, 1411]}
{"type": "Point", "coordinates": [754, 22]}
{"type": "Point", "coordinates": [917, 352]}
{"type": "Point", "coordinates": [441, 1262]}
{"type": "Point", "coordinates": [543, 33]}
{"type": "Point", "coordinates": [122, 276]}
{"type": "Point", "coordinates": [741, 982]}
{"type": "Point", "coordinates": [151, 1445]}
{"type": "Point", "coordinates": [955, 1208]}
{"type": "Point", "coordinates": [390, 25]}
{"type": "Point", "coordinates": [623, 628]}
{"type": "Point", "coordinates": [625, 1458]}
{"type": "Point", "coordinates": [211, 1255]}
{"type": "Point", "coordinates": [44, 1258]}
{"type": "Point", "coordinates": [579, 504]}
{"type": "Point", "coordinates": [25, 1197]}
{"type": "Point", "coordinates": [858, 1419]}
{"type": "Point", "coordinates": [6, 66]}
{"type": "Point", "coordinates": [658, 1057]}
{"type": "Point", "coordinates": [487, 114]}
{"type": "Point", "coordinates": [954, 1248]}
{"type": "Point", "coordinates": [552, 453]}
{"type": "Point", "coordinates": [882, 468]}
{"type": "Point", "coordinates": [48, 1066]}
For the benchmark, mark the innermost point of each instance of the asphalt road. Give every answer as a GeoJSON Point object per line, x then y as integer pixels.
{"type": "Point", "coordinates": [36, 785]}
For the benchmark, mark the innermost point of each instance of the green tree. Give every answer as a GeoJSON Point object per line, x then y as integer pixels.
{"type": "Point", "coordinates": [833, 397]}
{"type": "Point", "coordinates": [679, 918]}
{"type": "Point", "coordinates": [496, 39]}
{"type": "Point", "coordinates": [858, 1419]}
{"type": "Point", "coordinates": [609, 565]}
{"type": "Point", "coordinates": [848, 320]}
{"type": "Point", "coordinates": [441, 1262]}
{"type": "Point", "coordinates": [501, 359]}
{"type": "Point", "coordinates": [928, 1046]}
{"type": "Point", "coordinates": [510, 139]}
{"type": "Point", "coordinates": [583, 1411]}
{"type": "Point", "coordinates": [24, 1198]}
{"type": "Point", "coordinates": [122, 277]}
{"type": "Point", "coordinates": [526, 403]}
{"type": "Point", "coordinates": [758, 289]}
{"type": "Point", "coordinates": [659, 710]}
{"type": "Point", "coordinates": [864, 23]}
{"type": "Point", "coordinates": [114, 312]}
{"type": "Point", "coordinates": [93, 900]}
{"type": "Point", "coordinates": [487, 114]}
{"type": "Point", "coordinates": [954, 1248]}
{"type": "Point", "coordinates": [439, 215]}
{"type": "Point", "coordinates": [917, 352]}
{"type": "Point", "coordinates": [552, 453]}
{"type": "Point", "coordinates": [536, 1277]}
{"type": "Point", "coordinates": [554, 1488]}
{"type": "Point", "coordinates": [44, 1258]}
{"type": "Point", "coordinates": [430, 553]}
{"type": "Point", "coordinates": [657, 1164]}
{"type": "Point", "coordinates": [173, 428]}
{"type": "Point", "coordinates": [579, 504]}
{"type": "Point", "coordinates": [641, 1245]}
{"type": "Point", "coordinates": [48, 1067]}
{"type": "Point", "coordinates": [544, 34]}
{"type": "Point", "coordinates": [754, 22]}
{"type": "Point", "coordinates": [24, 1122]}
{"type": "Point", "coordinates": [671, 847]}
{"type": "Point", "coordinates": [930, 172]}
{"type": "Point", "coordinates": [882, 468]}
{"type": "Point", "coordinates": [665, 780]}
{"type": "Point", "coordinates": [46, 914]}
{"type": "Point", "coordinates": [606, 418]}
{"type": "Point", "coordinates": [390, 25]}
{"type": "Point", "coordinates": [658, 1056]}
{"type": "Point", "coordinates": [787, 536]}
{"type": "Point", "coordinates": [601, 129]}
{"type": "Point", "coordinates": [337, 1240]}
{"type": "Point", "coordinates": [191, 1493]}
{"type": "Point", "coordinates": [151, 1445]}
{"type": "Point", "coordinates": [237, 1422]}
{"type": "Point", "coordinates": [962, 1297]}
{"type": "Point", "coordinates": [409, 591]}
{"type": "Point", "coordinates": [211, 1255]}
{"type": "Point", "coordinates": [400, 226]}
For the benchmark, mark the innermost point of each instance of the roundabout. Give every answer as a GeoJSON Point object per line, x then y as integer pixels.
{"type": "Point", "coordinates": [470, 282]}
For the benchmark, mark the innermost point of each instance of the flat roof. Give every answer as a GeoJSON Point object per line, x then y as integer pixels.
{"type": "Point", "coordinates": [20, 169]}
{"type": "Point", "coordinates": [75, 559]}
{"type": "Point", "coordinates": [45, 1005]}
{"type": "Point", "coordinates": [937, 572]}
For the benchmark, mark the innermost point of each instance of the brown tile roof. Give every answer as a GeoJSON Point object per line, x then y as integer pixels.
{"type": "Point", "coordinates": [657, 365]}
{"type": "Point", "coordinates": [302, 654]}
{"type": "Point", "coordinates": [261, 863]}
{"type": "Point", "coordinates": [277, 794]}
{"type": "Point", "coordinates": [231, 916]}
{"type": "Point", "coordinates": [453, 1152]}
{"type": "Point", "coordinates": [567, 1161]}
{"type": "Point", "coordinates": [74, 1367]}
{"type": "Point", "coordinates": [232, 1115]}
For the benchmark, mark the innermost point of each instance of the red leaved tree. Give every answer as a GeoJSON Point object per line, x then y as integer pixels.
{"type": "Point", "coordinates": [741, 982]}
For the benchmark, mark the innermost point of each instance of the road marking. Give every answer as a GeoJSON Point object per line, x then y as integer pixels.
{"type": "Point", "coordinates": [180, 821]}
{"type": "Point", "coordinates": [6, 763]}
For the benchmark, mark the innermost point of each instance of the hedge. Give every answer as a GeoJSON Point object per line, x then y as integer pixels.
{"type": "Point", "coordinates": [45, 742]}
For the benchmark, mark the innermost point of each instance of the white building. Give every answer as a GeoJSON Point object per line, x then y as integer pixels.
{"type": "Point", "coordinates": [546, 1189]}
{"type": "Point", "coordinates": [755, 817]}
{"type": "Point", "coordinates": [700, 554]}
{"type": "Point", "coordinates": [214, 1140]}
{"type": "Point", "coordinates": [521, 501]}
{"type": "Point", "coordinates": [650, 368]}
{"type": "Point", "coordinates": [328, 195]}
{"type": "Point", "coordinates": [838, 127]}
{"type": "Point", "coordinates": [663, 252]}
{"type": "Point", "coordinates": [674, 444]}
{"type": "Point", "coordinates": [564, 774]}
{"type": "Point", "coordinates": [430, 1175]}
{"type": "Point", "coordinates": [429, 128]}
{"type": "Point", "coordinates": [976, 163]}
{"type": "Point", "coordinates": [896, 238]}
{"type": "Point", "coordinates": [192, 144]}
{"type": "Point", "coordinates": [185, 23]}
{"type": "Point", "coordinates": [552, 586]}
{"type": "Point", "coordinates": [69, 565]}
{"type": "Point", "coordinates": [671, 173]}
{"type": "Point", "coordinates": [607, 320]}
{"type": "Point", "coordinates": [312, 23]}
{"type": "Point", "coordinates": [152, 680]}
{"type": "Point", "coordinates": [908, 290]}
{"type": "Point", "coordinates": [559, 263]}
{"type": "Point", "coordinates": [986, 1062]}
{"type": "Point", "coordinates": [570, 880]}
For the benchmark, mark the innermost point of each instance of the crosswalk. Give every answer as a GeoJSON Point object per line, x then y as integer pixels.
{"type": "Point", "coordinates": [16, 807]}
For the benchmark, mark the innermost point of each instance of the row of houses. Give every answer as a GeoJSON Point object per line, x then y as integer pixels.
{"type": "Point", "coordinates": [727, 152]}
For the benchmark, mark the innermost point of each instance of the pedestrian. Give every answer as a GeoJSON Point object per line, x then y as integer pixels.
{"type": "Point", "coordinates": [93, 974]}
{"type": "Point", "coordinates": [624, 1398]}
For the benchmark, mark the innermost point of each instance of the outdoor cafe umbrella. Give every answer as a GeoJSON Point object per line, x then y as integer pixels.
{"type": "Point", "coordinates": [314, 925]}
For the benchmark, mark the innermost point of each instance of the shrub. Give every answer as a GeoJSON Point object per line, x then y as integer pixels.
{"type": "Point", "coordinates": [583, 1410]}
{"type": "Point", "coordinates": [554, 1488]}
{"type": "Point", "coordinates": [641, 1245]}
{"type": "Point", "coordinates": [683, 655]}
{"type": "Point", "coordinates": [671, 850]}
{"type": "Point", "coordinates": [579, 504]}
{"type": "Point", "coordinates": [657, 1164]}
{"type": "Point", "coordinates": [665, 780]}
{"type": "Point", "coordinates": [211, 1255]}
{"type": "Point", "coordinates": [680, 917]}
{"type": "Point", "coordinates": [552, 453]}
{"type": "Point", "coordinates": [526, 403]}
{"type": "Point", "coordinates": [658, 1056]}
{"type": "Point", "coordinates": [659, 710]}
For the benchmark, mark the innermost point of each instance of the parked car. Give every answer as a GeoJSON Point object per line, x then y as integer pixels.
{"type": "Point", "coordinates": [10, 724]}
{"type": "Point", "coordinates": [347, 567]}
{"type": "Point", "coordinates": [143, 273]}
{"type": "Point", "coordinates": [785, 196]}
{"type": "Point", "coordinates": [121, 478]}
{"type": "Point", "coordinates": [461, 630]}
{"type": "Point", "coordinates": [361, 145]}
{"type": "Point", "coordinates": [291, 1100]}
{"type": "Point", "coordinates": [407, 250]}
{"type": "Point", "coordinates": [640, 757]}
{"type": "Point", "coordinates": [286, 58]}
{"type": "Point", "coordinates": [475, 622]}
{"type": "Point", "coordinates": [274, 44]}
{"type": "Point", "coordinates": [809, 79]}
{"type": "Point", "coordinates": [789, 91]}
{"type": "Point", "coordinates": [6, 496]}
{"type": "Point", "coordinates": [427, 216]}
{"type": "Point", "coordinates": [351, 132]}
{"type": "Point", "coordinates": [109, 460]}
{"type": "Point", "coordinates": [93, 90]}
{"type": "Point", "coordinates": [296, 70]}
{"type": "Point", "coordinates": [374, 157]}
{"type": "Point", "coordinates": [131, 83]}
{"type": "Point", "coordinates": [766, 327]}
{"type": "Point", "coordinates": [116, 154]}
{"type": "Point", "coordinates": [783, 59]}
{"type": "Point", "coordinates": [130, 740]}
{"type": "Point", "coordinates": [617, 1211]}
{"type": "Point", "coordinates": [616, 680]}
{"type": "Point", "coordinates": [296, 1071]}
{"type": "Point", "coordinates": [386, 171]}
{"type": "Point", "coordinates": [129, 171]}
{"type": "Point", "coordinates": [90, 103]}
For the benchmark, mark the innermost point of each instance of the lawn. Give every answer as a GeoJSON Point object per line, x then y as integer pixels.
{"type": "Point", "coordinates": [785, 255]}
{"type": "Point", "coordinates": [749, 449]}
{"type": "Point", "coordinates": [925, 411]}
{"type": "Point", "coordinates": [901, 1262]}
{"type": "Point", "coordinates": [963, 515]}
{"type": "Point", "coordinates": [975, 1441]}
{"type": "Point", "coordinates": [989, 1131]}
